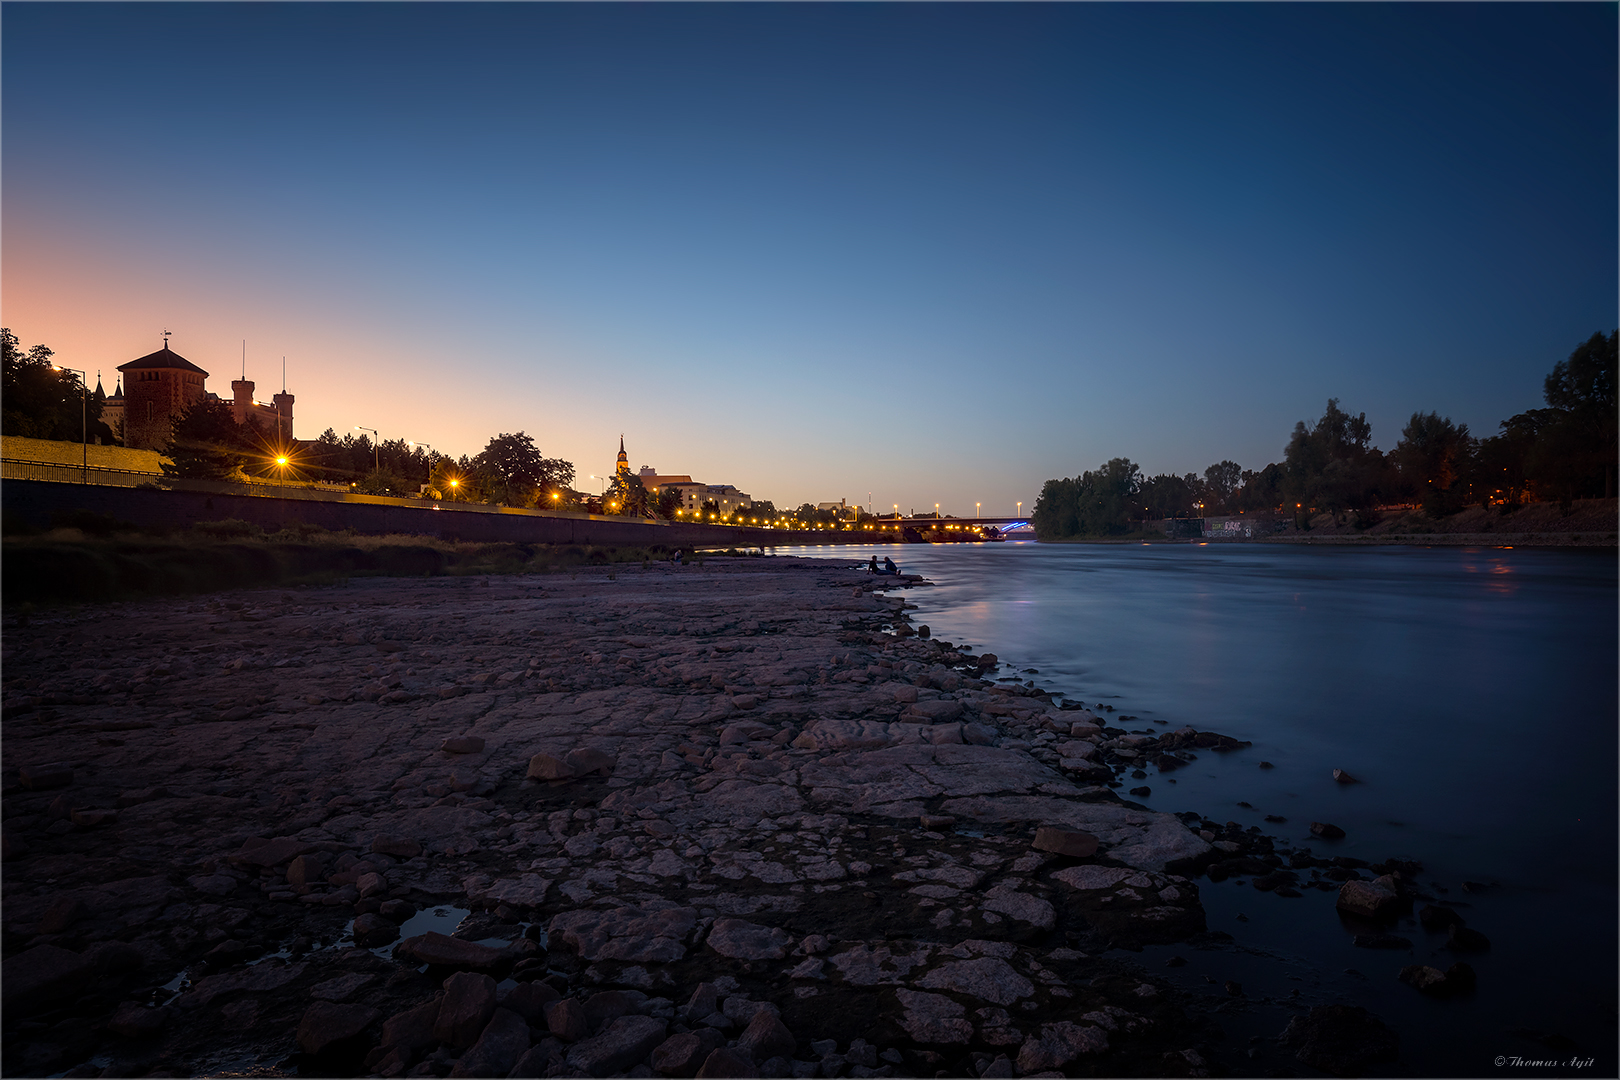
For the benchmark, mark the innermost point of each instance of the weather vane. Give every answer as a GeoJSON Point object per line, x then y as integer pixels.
{"type": "Point", "coordinates": [166, 338]}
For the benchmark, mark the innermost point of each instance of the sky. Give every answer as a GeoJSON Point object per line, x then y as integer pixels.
{"type": "Point", "coordinates": [900, 255]}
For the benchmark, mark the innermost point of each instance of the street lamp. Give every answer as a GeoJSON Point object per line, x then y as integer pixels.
{"type": "Point", "coordinates": [281, 473]}
{"type": "Point", "coordinates": [1020, 508]}
{"type": "Point", "coordinates": [376, 440]}
{"type": "Point", "coordinates": [84, 422]}
{"type": "Point", "coordinates": [976, 509]}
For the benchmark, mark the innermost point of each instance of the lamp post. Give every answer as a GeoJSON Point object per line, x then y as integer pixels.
{"type": "Point", "coordinates": [84, 422]}
{"type": "Point", "coordinates": [376, 440]}
{"type": "Point", "coordinates": [976, 509]}
{"type": "Point", "coordinates": [1020, 508]}
{"type": "Point", "coordinates": [429, 449]}
{"type": "Point", "coordinates": [281, 473]}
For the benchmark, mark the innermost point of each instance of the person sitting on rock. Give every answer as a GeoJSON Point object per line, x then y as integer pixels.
{"type": "Point", "coordinates": [873, 568]}
{"type": "Point", "coordinates": [888, 565]}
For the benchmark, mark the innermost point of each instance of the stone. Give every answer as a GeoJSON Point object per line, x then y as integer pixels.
{"type": "Point", "coordinates": [412, 1029]}
{"type": "Point", "coordinates": [134, 1020]}
{"type": "Point", "coordinates": [326, 1024]}
{"type": "Point", "coordinates": [1368, 899]}
{"type": "Point", "coordinates": [588, 760]}
{"type": "Point", "coordinates": [739, 940]}
{"type": "Point", "coordinates": [504, 1040]}
{"type": "Point", "coordinates": [529, 1000]}
{"type": "Point", "coordinates": [1058, 1045]}
{"type": "Point", "coordinates": [462, 744]}
{"type": "Point", "coordinates": [90, 819]}
{"type": "Point", "coordinates": [45, 777]}
{"type": "Point", "coordinates": [341, 988]}
{"type": "Point", "coordinates": [1343, 1040]}
{"type": "Point", "coordinates": [64, 911]}
{"type": "Point", "coordinates": [566, 1019]}
{"type": "Point", "coordinates": [933, 1018]}
{"type": "Point", "coordinates": [987, 978]}
{"type": "Point", "coordinates": [397, 911]}
{"type": "Point", "coordinates": [542, 1059]}
{"type": "Point", "coordinates": [42, 976]}
{"type": "Point", "coordinates": [467, 1005]}
{"type": "Point", "coordinates": [371, 884]}
{"type": "Point", "coordinates": [1071, 842]}
{"type": "Point", "coordinates": [308, 869]}
{"type": "Point", "coordinates": [266, 853]}
{"type": "Point", "coordinates": [258, 979]}
{"type": "Point", "coordinates": [1326, 831]}
{"type": "Point", "coordinates": [442, 950]}
{"type": "Point", "coordinates": [633, 935]}
{"type": "Point", "coordinates": [766, 1037]}
{"type": "Point", "coordinates": [683, 1055]}
{"type": "Point", "coordinates": [724, 1063]}
{"type": "Point", "coordinates": [1429, 980]}
{"type": "Point", "coordinates": [1005, 900]}
{"type": "Point", "coordinates": [1381, 941]}
{"type": "Point", "coordinates": [371, 931]}
{"type": "Point", "coordinates": [705, 999]}
{"type": "Point", "coordinates": [612, 1004]}
{"type": "Point", "coordinates": [622, 1044]}
{"type": "Point", "coordinates": [399, 847]}
{"type": "Point", "coordinates": [1343, 777]}
{"type": "Point", "coordinates": [546, 767]}
{"type": "Point", "coordinates": [1461, 939]}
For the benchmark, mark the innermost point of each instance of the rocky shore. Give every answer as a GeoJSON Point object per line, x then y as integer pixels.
{"type": "Point", "coordinates": [736, 819]}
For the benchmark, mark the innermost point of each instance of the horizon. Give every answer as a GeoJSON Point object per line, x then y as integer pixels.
{"type": "Point", "coordinates": [937, 254]}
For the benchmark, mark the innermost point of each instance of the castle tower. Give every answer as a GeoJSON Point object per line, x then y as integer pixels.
{"type": "Point", "coordinates": [112, 410]}
{"type": "Point", "coordinates": [242, 401]}
{"type": "Point", "coordinates": [623, 468]}
{"type": "Point", "coordinates": [284, 416]}
{"type": "Point", "coordinates": [162, 385]}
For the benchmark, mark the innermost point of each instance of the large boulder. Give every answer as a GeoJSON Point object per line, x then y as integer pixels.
{"type": "Point", "coordinates": [504, 1040]}
{"type": "Point", "coordinates": [467, 1005]}
{"type": "Point", "coordinates": [1341, 1039]}
{"type": "Point", "coordinates": [621, 1046]}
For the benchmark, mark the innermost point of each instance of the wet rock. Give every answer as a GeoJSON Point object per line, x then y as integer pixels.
{"type": "Point", "coordinates": [63, 913]}
{"type": "Point", "coordinates": [1368, 899]}
{"type": "Point", "coordinates": [739, 940]}
{"type": "Point", "coordinates": [683, 1055]}
{"type": "Point", "coordinates": [258, 979]}
{"type": "Point", "coordinates": [1343, 777]}
{"type": "Point", "coordinates": [400, 847]}
{"type": "Point", "coordinates": [622, 1044]}
{"type": "Point", "coordinates": [566, 1019]}
{"type": "Point", "coordinates": [545, 1058]}
{"type": "Point", "coordinates": [724, 1063]}
{"type": "Point", "coordinates": [612, 1004]}
{"type": "Point", "coordinates": [1461, 939]}
{"type": "Point", "coordinates": [933, 1018]}
{"type": "Point", "coordinates": [442, 950]}
{"type": "Point", "coordinates": [396, 911]}
{"type": "Point", "coordinates": [705, 999]}
{"type": "Point", "coordinates": [633, 935]}
{"type": "Point", "coordinates": [1327, 831]}
{"type": "Point", "coordinates": [412, 1029]}
{"type": "Point", "coordinates": [504, 1040]}
{"type": "Point", "coordinates": [1058, 1045]}
{"type": "Point", "coordinates": [1141, 792]}
{"type": "Point", "coordinates": [259, 852]}
{"type": "Point", "coordinates": [1436, 983]}
{"type": "Point", "coordinates": [462, 744]}
{"type": "Point", "coordinates": [1071, 842]}
{"type": "Point", "coordinates": [766, 1037]}
{"type": "Point", "coordinates": [308, 869]}
{"type": "Point", "coordinates": [1340, 1039]}
{"type": "Point", "coordinates": [371, 931]}
{"type": "Point", "coordinates": [326, 1024]}
{"type": "Point", "coordinates": [371, 884]}
{"type": "Point", "coordinates": [341, 988]}
{"type": "Point", "coordinates": [133, 1020]}
{"type": "Point", "coordinates": [467, 1005]}
{"type": "Point", "coordinates": [1006, 900]}
{"type": "Point", "coordinates": [546, 767]}
{"type": "Point", "coordinates": [529, 1000]}
{"type": "Point", "coordinates": [45, 777]}
{"type": "Point", "coordinates": [587, 760]}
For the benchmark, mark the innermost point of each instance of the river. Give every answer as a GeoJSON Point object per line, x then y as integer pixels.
{"type": "Point", "coordinates": [1472, 691]}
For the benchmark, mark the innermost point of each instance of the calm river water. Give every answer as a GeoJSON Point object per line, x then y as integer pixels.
{"type": "Point", "coordinates": [1473, 691]}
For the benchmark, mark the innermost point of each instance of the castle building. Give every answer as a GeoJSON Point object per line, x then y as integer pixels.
{"type": "Point", "coordinates": [112, 409]}
{"type": "Point", "coordinates": [692, 494]}
{"type": "Point", "coordinates": [163, 384]}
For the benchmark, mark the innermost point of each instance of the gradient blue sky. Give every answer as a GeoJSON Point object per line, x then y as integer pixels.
{"type": "Point", "coordinates": [935, 253]}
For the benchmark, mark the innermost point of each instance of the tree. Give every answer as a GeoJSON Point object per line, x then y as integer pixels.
{"type": "Point", "coordinates": [1432, 456]}
{"type": "Point", "coordinates": [1331, 463]}
{"type": "Point", "coordinates": [627, 496]}
{"type": "Point", "coordinates": [1578, 457]}
{"type": "Point", "coordinates": [514, 471]}
{"type": "Point", "coordinates": [1097, 503]}
{"type": "Point", "coordinates": [42, 403]}
{"type": "Point", "coordinates": [1221, 482]}
{"type": "Point", "coordinates": [208, 443]}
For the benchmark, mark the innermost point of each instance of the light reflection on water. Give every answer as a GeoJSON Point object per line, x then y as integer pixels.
{"type": "Point", "coordinates": [1472, 690]}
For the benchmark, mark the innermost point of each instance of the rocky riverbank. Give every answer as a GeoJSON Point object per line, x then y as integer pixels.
{"type": "Point", "coordinates": [722, 820]}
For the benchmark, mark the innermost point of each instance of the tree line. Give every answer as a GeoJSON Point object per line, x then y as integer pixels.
{"type": "Point", "coordinates": [1564, 451]}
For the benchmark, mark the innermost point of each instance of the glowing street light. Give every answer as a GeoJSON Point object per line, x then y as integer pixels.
{"type": "Point", "coordinates": [376, 441]}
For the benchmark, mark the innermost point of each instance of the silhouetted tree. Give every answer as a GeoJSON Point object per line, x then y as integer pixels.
{"type": "Point", "coordinates": [1100, 502]}
{"type": "Point", "coordinates": [208, 443]}
{"type": "Point", "coordinates": [1432, 457]}
{"type": "Point", "coordinates": [514, 471]}
{"type": "Point", "coordinates": [40, 403]}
